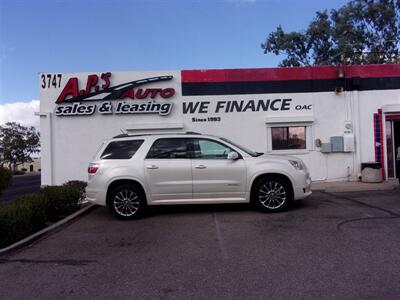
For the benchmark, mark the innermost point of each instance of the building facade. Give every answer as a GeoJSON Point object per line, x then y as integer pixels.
{"type": "Point", "coordinates": [30, 167]}
{"type": "Point", "coordinates": [333, 118]}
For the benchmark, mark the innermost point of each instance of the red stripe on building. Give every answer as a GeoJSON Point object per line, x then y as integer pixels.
{"type": "Point", "coordinates": [286, 74]}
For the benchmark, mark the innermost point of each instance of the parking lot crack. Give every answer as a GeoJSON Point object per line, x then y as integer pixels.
{"type": "Point", "coordinates": [392, 214]}
{"type": "Point", "coordinates": [341, 224]}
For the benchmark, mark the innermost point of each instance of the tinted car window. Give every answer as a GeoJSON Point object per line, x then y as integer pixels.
{"type": "Point", "coordinates": [209, 149]}
{"type": "Point", "coordinates": [170, 148]}
{"type": "Point", "coordinates": [121, 149]}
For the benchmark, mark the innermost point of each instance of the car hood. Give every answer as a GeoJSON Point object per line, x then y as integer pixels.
{"type": "Point", "coordinates": [269, 157]}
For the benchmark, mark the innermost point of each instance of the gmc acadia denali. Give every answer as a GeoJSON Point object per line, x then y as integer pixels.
{"type": "Point", "coordinates": [130, 172]}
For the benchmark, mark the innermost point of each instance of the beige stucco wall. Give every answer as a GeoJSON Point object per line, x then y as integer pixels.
{"type": "Point", "coordinates": [35, 163]}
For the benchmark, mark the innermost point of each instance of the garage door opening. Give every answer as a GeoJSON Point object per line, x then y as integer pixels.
{"type": "Point", "coordinates": [392, 142]}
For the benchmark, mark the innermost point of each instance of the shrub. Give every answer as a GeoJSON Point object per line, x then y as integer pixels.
{"type": "Point", "coordinates": [78, 185]}
{"type": "Point", "coordinates": [5, 178]}
{"type": "Point", "coordinates": [17, 172]}
{"type": "Point", "coordinates": [15, 223]}
{"type": "Point", "coordinates": [62, 200]}
{"type": "Point", "coordinates": [38, 207]}
{"type": "Point", "coordinates": [24, 169]}
{"type": "Point", "coordinates": [29, 213]}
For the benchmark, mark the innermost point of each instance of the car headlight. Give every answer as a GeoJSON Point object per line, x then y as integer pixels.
{"type": "Point", "coordinates": [297, 164]}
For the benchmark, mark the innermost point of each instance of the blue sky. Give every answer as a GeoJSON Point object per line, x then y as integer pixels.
{"type": "Point", "coordinates": [73, 36]}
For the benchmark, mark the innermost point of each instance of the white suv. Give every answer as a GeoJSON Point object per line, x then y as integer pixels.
{"type": "Point", "coordinates": [130, 172]}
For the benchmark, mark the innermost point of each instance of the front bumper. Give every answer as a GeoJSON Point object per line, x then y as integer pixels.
{"type": "Point", "coordinates": [304, 190]}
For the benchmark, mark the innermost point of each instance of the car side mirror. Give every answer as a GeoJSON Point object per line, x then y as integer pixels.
{"type": "Point", "coordinates": [233, 155]}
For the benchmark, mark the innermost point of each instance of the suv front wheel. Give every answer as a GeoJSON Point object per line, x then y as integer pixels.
{"type": "Point", "coordinates": [127, 202]}
{"type": "Point", "coordinates": [272, 194]}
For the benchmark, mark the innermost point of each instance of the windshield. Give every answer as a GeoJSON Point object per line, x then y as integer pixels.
{"type": "Point", "coordinates": [248, 151]}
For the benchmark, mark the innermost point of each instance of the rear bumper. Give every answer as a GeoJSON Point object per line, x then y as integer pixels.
{"type": "Point", "coordinates": [96, 196]}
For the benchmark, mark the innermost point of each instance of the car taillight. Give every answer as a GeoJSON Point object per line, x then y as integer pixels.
{"type": "Point", "coordinates": [92, 169]}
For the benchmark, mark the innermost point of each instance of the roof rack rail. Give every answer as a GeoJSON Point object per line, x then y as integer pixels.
{"type": "Point", "coordinates": [123, 135]}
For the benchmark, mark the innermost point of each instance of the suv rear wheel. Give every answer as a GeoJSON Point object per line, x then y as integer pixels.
{"type": "Point", "coordinates": [272, 194]}
{"type": "Point", "coordinates": [127, 202]}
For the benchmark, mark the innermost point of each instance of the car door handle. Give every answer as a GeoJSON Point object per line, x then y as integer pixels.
{"type": "Point", "coordinates": [152, 167]}
{"type": "Point", "coordinates": [200, 167]}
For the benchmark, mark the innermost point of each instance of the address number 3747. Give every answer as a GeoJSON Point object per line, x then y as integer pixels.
{"type": "Point", "coordinates": [50, 80]}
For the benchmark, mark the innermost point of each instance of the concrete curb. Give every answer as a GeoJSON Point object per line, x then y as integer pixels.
{"type": "Point", "coordinates": [354, 187]}
{"type": "Point", "coordinates": [42, 232]}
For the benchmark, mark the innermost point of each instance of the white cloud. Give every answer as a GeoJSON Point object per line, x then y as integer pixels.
{"type": "Point", "coordinates": [20, 112]}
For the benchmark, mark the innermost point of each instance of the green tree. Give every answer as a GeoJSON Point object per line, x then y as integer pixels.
{"type": "Point", "coordinates": [17, 144]}
{"type": "Point", "coordinates": [360, 32]}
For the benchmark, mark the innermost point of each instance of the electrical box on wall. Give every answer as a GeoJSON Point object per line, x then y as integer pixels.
{"type": "Point", "coordinates": [348, 127]}
{"type": "Point", "coordinates": [326, 147]}
{"type": "Point", "coordinates": [337, 143]}
{"type": "Point", "coordinates": [348, 142]}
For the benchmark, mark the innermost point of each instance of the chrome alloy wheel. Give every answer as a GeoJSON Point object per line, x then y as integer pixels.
{"type": "Point", "coordinates": [272, 194]}
{"type": "Point", "coordinates": [126, 202]}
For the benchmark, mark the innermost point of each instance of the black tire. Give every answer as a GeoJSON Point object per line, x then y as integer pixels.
{"type": "Point", "coordinates": [272, 194]}
{"type": "Point", "coordinates": [127, 202]}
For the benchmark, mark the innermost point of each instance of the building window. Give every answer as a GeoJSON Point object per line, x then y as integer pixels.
{"type": "Point", "coordinates": [288, 138]}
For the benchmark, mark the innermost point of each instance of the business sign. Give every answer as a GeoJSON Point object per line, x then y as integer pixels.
{"type": "Point", "coordinates": [214, 108]}
{"type": "Point", "coordinates": [230, 95]}
{"type": "Point", "coordinates": [98, 95]}
{"type": "Point", "coordinates": [146, 93]}
{"type": "Point", "coordinates": [229, 106]}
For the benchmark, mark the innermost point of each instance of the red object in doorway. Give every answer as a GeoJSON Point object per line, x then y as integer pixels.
{"type": "Point", "coordinates": [378, 138]}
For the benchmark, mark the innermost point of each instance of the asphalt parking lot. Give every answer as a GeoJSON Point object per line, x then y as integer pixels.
{"type": "Point", "coordinates": [330, 246]}
{"type": "Point", "coordinates": [20, 185]}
